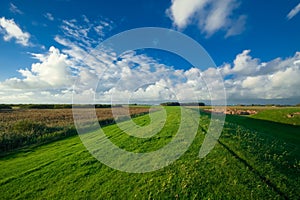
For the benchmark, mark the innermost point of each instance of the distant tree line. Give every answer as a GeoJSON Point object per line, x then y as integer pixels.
{"type": "Point", "coordinates": [170, 104]}
{"type": "Point", "coordinates": [182, 104]}
{"type": "Point", "coordinates": [44, 106]}
{"type": "Point", "coordinates": [5, 106]}
{"type": "Point", "coordinates": [52, 106]}
{"type": "Point", "coordinates": [96, 106]}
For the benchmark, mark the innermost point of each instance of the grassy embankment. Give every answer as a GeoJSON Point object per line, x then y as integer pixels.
{"type": "Point", "coordinates": [249, 162]}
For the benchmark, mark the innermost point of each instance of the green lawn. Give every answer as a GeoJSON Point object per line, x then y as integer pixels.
{"type": "Point", "coordinates": [246, 164]}
{"type": "Point", "coordinates": [280, 115]}
{"type": "Point", "coordinates": [283, 131]}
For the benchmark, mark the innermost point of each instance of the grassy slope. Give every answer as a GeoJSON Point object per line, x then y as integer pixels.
{"type": "Point", "coordinates": [64, 169]}
{"type": "Point", "coordinates": [270, 143]}
{"type": "Point", "coordinates": [286, 132]}
{"type": "Point", "coordinates": [279, 115]}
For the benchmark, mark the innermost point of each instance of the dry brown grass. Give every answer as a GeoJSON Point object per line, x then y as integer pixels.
{"type": "Point", "coordinates": [59, 117]}
{"type": "Point", "coordinates": [19, 127]}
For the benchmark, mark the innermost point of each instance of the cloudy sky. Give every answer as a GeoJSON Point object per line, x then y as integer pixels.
{"type": "Point", "coordinates": [46, 48]}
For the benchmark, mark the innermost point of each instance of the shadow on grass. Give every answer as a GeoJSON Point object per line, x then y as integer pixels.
{"type": "Point", "coordinates": [286, 132]}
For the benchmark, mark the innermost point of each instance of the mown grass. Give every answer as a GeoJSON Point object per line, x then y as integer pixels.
{"type": "Point", "coordinates": [275, 159]}
{"type": "Point", "coordinates": [246, 164]}
{"type": "Point", "coordinates": [269, 149]}
{"type": "Point", "coordinates": [280, 115]}
{"type": "Point", "coordinates": [284, 132]}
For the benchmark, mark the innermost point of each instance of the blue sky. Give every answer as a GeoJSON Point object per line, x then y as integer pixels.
{"type": "Point", "coordinates": [255, 45]}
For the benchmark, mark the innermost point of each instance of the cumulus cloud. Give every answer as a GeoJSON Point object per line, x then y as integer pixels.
{"type": "Point", "coordinates": [133, 77]}
{"type": "Point", "coordinates": [10, 29]}
{"type": "Point", "coordinates": [211, 16]}
{"type": "Point", "coordinates": [181, 12]}
{"type": "Point", "coordinates": [51, 72]}
{"type": "Point", "coordinates": [244, 64]}
{"type": "Point", "coordinates": [252, 79]}
{"type": "Point", "coordinates": [129, 77]}
{"type": "Point", "coordinates": [102, 75]}
{"type": "Point", "coordinates": [293, 12]}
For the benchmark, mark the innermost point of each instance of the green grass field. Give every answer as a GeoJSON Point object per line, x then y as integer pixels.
{"type": "Point", "coordinates": [254, 159]}
{"type": "Point", "coordinates": [280, 115]}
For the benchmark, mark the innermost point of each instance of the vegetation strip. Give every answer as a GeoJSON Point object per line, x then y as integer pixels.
{"type": "Point", "coordinates": [40, 127]}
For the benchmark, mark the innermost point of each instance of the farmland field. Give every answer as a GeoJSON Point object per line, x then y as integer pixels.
{"type": "Point", "coordinates": [256, 157]}
{"type": "Point", "coordinates": [20, 127]}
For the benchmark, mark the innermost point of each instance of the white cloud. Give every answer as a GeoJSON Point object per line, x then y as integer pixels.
{"type": "Point", "coordinates": [181, 12]}
{"type": "Point", "coordinates": [211, 16]}
{"type": "Point", "coordinates": [253, 79]}
{"type": "Point", "coordinates": [14, 9]}
{"type": "Point", "coordinates": [237, 27]}
{"type": "Point", "coordinates": [36, 96]}
{"type": "Point", "coordinates": [218, 16]}
{"type": "Point", "coordinates": [244, 64]}
{"type": "Point", "coordinates": [297, 62]}
{"type": "Point", "coordinates": [86, 33]}
{"type": "Point", "coordinates": [85, 19]}
{"type": "Point", "coordinates": [49, 16]}
{"type": "Point", "coordinates": [73, 30]}
{"type": "Point", "coordinates": [293, 12]}
{"type": "Point", "coordinates": [11, 30]}
{"type": "Point", "coordinates": [52, 72]}
{"type": "Point", "coordinates": [138, 77]}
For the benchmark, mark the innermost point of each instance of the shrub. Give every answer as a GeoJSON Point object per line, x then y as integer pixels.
{"type": "Point", "coordinates": [29, 127]}
{"type": "Point", "coordinates": [27, 132]}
